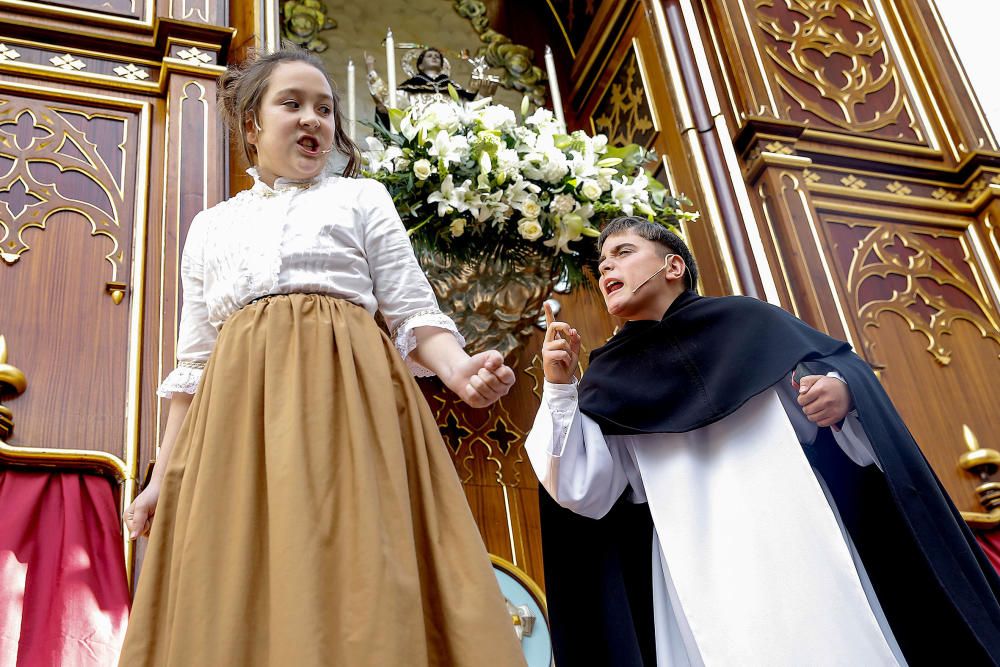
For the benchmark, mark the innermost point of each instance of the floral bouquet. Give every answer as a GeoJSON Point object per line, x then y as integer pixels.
{"type": "Point", "coordinates": [470, 181]}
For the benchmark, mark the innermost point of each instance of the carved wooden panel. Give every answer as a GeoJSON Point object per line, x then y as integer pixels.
{"type": "Point", "coordinates": [918, 297]}
{"type": "Point", "coordinates": [624, 112]}
{"type": "Point", "coordinates": [132, 9]}
{"type": "Point", "coordinates": [831, 62]}
{"type": "Point", "coordinates": [575, 17]}
{"type": "Point", "coordinates": [72, 191]}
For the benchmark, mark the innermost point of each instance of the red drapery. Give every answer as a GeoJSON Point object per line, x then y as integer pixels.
{"type": "Point", "coordinates": [64, 598]}
{"type": "Point", "coordinates": [990, 541]}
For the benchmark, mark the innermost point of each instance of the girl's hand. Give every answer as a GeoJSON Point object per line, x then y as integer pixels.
{"type": "Point", "coordinates": [824, 400]}
{"type": "Point", "coordinates": [481, 379]}
{"type": "Point", "coordinates": [139, 515]}
{"type": "Point", "coordinates": [560, 351]}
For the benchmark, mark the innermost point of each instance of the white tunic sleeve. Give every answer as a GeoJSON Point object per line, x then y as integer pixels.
{"type": "Point", "coordinates": [570, 456]}
{"type": "Point", "coordinates": [196, 336]}
{"type": "Point", "coordinates": [404, 296]}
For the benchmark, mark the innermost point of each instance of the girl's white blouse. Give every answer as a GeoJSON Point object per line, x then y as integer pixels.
{"type": "Point", "coordinates": [333, 235]}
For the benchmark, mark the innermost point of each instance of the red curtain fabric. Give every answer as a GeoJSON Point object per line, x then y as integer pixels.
{"type": "Point", "coordinates": [64, 597]}
{"type": "Point", "coordinates": [990, 541]}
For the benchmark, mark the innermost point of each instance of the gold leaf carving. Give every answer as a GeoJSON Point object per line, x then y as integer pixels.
{"type": "Point", "coordinates": [923, 263]}
{"type": "Point", "coordinates": [37, 138]}
{"type": "Point", "coordinates": [623, 113]}
{"type": "Point", "coordinates": [831, 58]}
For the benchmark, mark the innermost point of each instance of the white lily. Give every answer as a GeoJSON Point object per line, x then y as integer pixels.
{"type": "Point", "coordinates": [448, 148]}
{"type": "Point", "coordinates": [380, 158]}
{"type": "Point", "coordinates": [450, 197]}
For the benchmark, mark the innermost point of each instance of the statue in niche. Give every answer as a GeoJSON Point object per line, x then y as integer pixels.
{"type": "Point", "coordinates": [429, 75]}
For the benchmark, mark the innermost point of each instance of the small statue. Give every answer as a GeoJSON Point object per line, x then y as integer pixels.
{"type": "Point", "coordinates": [429, 75]}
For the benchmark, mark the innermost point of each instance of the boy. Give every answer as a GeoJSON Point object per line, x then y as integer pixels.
{"type": "Point", "coordinates": [793, 518]}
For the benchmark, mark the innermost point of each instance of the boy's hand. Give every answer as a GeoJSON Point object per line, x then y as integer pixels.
{"type": "Point", "coordinates": [824, 400]}
{"type": "Point", "coordinates": [560, 351]}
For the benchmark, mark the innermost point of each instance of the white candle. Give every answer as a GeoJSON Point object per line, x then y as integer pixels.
{"type": "Point", "coordinates": [390, 60]}
{"type": "Point", "coordinates": [351, 124]}
{"type": "Point", "coordinates": [550, 68]}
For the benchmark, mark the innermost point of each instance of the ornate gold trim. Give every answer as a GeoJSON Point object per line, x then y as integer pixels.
{"type": "Point", "coordinates": [526, 581]}
{"type": "Point", "coordinates": [70, 14]}
{"type": "Point", "coordinates": [102, 463]}
{"type": "Point", "coordinates": [982, 519]}
{"type": "Point", "coordinates": [128, 468]}
{"type": "Point", "coordinates": [713, 212]}
{"type": "Point", "coordinates": [675, 82]}
{"type": "Point", "coordinates": [872, 143]}
{"type": "Point", "coordinates": [915, 94]}
{"type": "Point", "coordinates": [819, 247]}
{"type": "Point", "coordinates": [562, 29]}
{"type": "Point", "coordinates": [767, 200]}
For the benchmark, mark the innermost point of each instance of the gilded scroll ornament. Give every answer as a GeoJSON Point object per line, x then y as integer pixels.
{"type": "Point", "coordinates": [833, 61]}
{"type": "Point", "coordinates": [623, 113]}
{"type": "Point", "coordinates": [43, 145]}
{"type": "Point", "coordinates": [927, 311]}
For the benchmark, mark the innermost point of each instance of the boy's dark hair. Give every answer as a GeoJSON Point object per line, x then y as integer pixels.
{"type": "Point", "coordinates": [657, 234]}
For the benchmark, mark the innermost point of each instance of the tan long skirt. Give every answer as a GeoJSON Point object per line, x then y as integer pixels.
{"type": "Point", "coordinates": [310, 514]}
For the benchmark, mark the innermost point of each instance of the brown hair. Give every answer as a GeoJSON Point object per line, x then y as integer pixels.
{"type": "Point", "coordinates": [242, 86]}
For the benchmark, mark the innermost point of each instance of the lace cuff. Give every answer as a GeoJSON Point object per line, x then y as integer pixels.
{"type": "Point", "coordinates": [406, 339]}
{"type": "Point", "coordinates": [182, 380]}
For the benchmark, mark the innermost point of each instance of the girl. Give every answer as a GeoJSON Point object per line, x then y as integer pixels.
{"type": "Point", "coordinates": [307, 512]}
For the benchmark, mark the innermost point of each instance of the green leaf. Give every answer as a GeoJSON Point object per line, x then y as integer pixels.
{"type": "Point", "coordinates": [453, 93]}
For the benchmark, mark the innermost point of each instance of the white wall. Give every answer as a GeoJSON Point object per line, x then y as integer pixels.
{"type": "Point", "coordinates": [973, 25]}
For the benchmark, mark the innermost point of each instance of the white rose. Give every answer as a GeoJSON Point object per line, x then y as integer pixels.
{"type": "Point", "coordinates": [591, 190]}
{"type": "Point", "coordinates": [422, 169]}
{"type": "Point", "coordinates": [562, 203]}
{"type": "Point", "coordinates": [457, 227]}
{"type": "Point", "coordinates": [531, 208]}
{"type": "Point", "coordinates": [529, 229]}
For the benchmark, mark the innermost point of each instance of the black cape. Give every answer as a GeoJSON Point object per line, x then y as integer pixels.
{"type": "Point", "coordinates": [700, 363]}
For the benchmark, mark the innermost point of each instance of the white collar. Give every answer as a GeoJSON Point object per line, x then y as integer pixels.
{"type": "Point", "coordinates": [281, 184]}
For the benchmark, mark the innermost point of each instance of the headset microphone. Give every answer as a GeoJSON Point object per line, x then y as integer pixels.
{"type": "Point", "coordinates": [666, 265]}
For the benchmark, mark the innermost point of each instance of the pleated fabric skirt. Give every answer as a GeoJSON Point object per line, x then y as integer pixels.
{"type": "Point", "coordinates": [310, 513]}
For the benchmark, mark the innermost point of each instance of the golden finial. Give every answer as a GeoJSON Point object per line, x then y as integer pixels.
{"type": "Point", "coordinates": [978, 461]}
{"type": "Point", "coordinates": [9, 376]}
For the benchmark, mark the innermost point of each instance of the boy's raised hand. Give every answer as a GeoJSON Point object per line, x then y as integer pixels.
{"type": "Point", "coordinates": [824, 400]}
{"type": "Point", "coordinates": [560, 351]}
